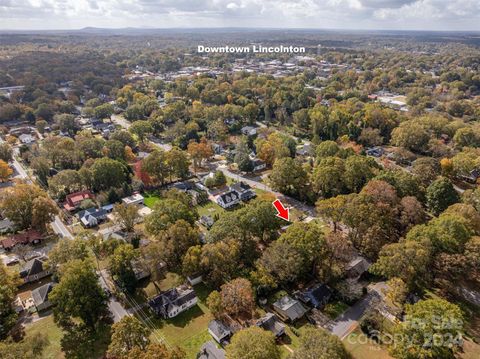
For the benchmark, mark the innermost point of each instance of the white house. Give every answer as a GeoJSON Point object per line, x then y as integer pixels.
{"type": "Point", "coordinates": [134, 199]}
{"type": "Point", "coordinates": [258, 165]}
{"type": "Point", "coordinates": [249, 131]}
{"type": "Point", "coordinates": [174, 301]}
{"type": "Point", "coordinates": [228, 199]}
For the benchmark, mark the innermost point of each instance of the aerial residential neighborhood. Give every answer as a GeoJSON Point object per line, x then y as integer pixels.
{"type": "Point", "coordinates": [161, 202]}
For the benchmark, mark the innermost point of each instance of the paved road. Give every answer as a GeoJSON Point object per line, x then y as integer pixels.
{"type": "Point", "coordinates": [59, 228]}
{"type": "Point", "coordinates": [348, 321]}
{"type": "Point", "coordinates": [116, 308]}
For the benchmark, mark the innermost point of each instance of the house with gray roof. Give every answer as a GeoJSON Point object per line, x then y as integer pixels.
{"type": "Point", "coordinates": [210, 351]}
{"type": "Point", "coordinates": [289, 308]}
{"type": "Point", "coordinates": [270, 322]}
{"type": "Point", "coordinates": [174, 301]}
{"type": "Point", "coordinates": [40, 296]}
{"type": "Point", "coordinates": [219, 331]}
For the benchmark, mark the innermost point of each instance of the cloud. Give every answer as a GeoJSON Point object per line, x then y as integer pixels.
{"type": "Point", "coordinates": [362, 14]}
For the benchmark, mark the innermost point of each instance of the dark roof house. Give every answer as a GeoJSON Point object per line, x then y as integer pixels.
{"type": "Point", "coordinates": [173, 301]}
{"type": "Point", "coordinates": [316, 296]}
{"type": "Point", "coordinates": [270, 322]}
{"type": "Point", "coordinates": [34, 270]}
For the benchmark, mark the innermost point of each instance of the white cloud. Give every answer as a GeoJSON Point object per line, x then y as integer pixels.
{"type": "Point", "coordinates": [366, 14]}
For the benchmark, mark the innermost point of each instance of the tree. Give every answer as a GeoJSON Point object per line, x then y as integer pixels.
{"type": "Point", "coordinates": [411, 136]}
{"type": "Point", "coordinates": [333, 209]}
{"type": "Point", "coordinates": [43, 212]}
{"type": "Point", "coordinates": [18, 204]}
{"type": "Point", "coordinates": [78, 296]}
{"type": "Point", "coordinates": [283, 261]}
{"type": "Point", "coordinates": [407, 260]}
{"type": "Point", "coordinates": [126, 216]}
{"type": "Point", "coordinates": [121, 266]}
{"type": "Point", "coordinates": [156, 166]}
{"type": "Point", "coordinates": [308, 239]}
{"type": "Point", "coordinates": [8, 292]}
{"type": "Point", "coordinates": [327, 177]}
{"type": "Point", "coordinates": [124, 137]}
{"type": "Point", "coordinates": [237, 297]}
{"type": "Point", "coordinates": [426, 169]}
{"type": "Point", "coordinates": [115, 149]}
{"type": "Point", "coordinates": [178, 163]}
{"type": "Point", "coordinates": [214, 303]}
{"type": "Point", "coordinates": [289, 177]}
{"type": "Point", "coordinates": [219, 261]}
{"type": "Point", "coordinates": [103, 111]}
{"type": "Point", "coordinates": [253, 343]}
{"type": "Point", "coordinates": [66, 123]}
{"type": "Point", "coordinates": [242, 158]}
{"type": "Point", "coordinates": [157, 351]}
{"type": "Point", "coordinates": [41, 168]}
{"type": "Point", "coordinates": [358, 171]}
{"type": "Point", "coordinates": [5, 171]}
{"type": "Point", "coordinates": [166, 212]}
{"type": "Point", "coordinates": [176, 240]}
{"type": "Point", "coordinates": [199, 151]}
{"type": "Point", "coordinates": [127, 334]}
{"type": "Point", "coordinates": [31, 347]}
{"type": "Point", "coordinates": [141, 129]}
{"type": "Point", "coordinates": [66, 250]}
{"type": "Point", "coordinates": [440, 195]}
{"type": "Point", "coordinates": [432, 329]}
{"type": "Point", "coordinates": [108, 173]}
{"type": "Point", "coordinates": [6, 152]}
{"type": "Point", "coordinates": [319, 344]}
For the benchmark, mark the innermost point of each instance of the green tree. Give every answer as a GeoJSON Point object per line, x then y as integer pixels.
{"type": "Point", "coordinates": [428, 323]}
{"type": "Point", "coordinates": [283, 261]}
{"type": "Point", "coordinates": [8, 292]}
{"type": "Point", "coordinates": [141, 129]}
{"type": "Point", "coordinates": [156, 165]}
{"type": "Point", "coordinates": [440, 195]}
{"type": "Point", "coordinates": [127, 334]}
{"type": "Point", "coordinates": [319, 344]}
{"type": "Point", "coordinates": [327, 177]}
{"type": "Point", "coordinates": [78, 296]}
{"type": "Point", "coordinates": [66, 250]}
{"type": "Point", "coordinates": [166, 212]}
{"type": "Point", "coordinates": [411, 136]}
{"type": "Point", "coordinates": [108, 173]}
{"type": "Point", "coordinates": [242, 158]}
{"type": "Point", "coordinates": [126, 216]}
{"type": "Point", "coordinates": [253, 343]}
{"type": "Point", "coordinates": [103, 111]}
{"type": "Point", "coordinates": [289, 177]}
{"type": "Point", "coordinates": [121, 266]}
{"type": "Point", "coordinates": [6, 152]}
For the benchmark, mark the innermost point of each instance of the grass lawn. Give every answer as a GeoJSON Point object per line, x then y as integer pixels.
{"type": "Point", "coordinates": [54, 334]}
{"type": "Point", "coordinates": [189, 329]}
{"type": "Point", "coordinates": [334, 309]}
{"type": "Point", "coordinates": [210, 209]}
{"type": "Point", "coordinates": [360, 348]}
{"type": "Point", "coordinates": [150, 198]}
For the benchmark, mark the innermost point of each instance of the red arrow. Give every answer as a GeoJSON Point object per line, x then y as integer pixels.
{"type": "Point", "coordinates": [283, 213]}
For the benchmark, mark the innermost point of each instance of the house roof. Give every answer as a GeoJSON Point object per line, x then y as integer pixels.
{"type": "Point", "coordinates": [210, 351]}
{"type": "Point", "coordinates": [40, 294]}
{"type": "Point", "coordinates": [291, 307]}
{"type": "Point", "coordinates": [230, 196]}
{"type": "Point", "coordinates": [271, 323]}
{"type": "Point", "coordinates": [316, 295]}
{"type": "Point", "coordinates": [26, 237]}
{"type": "Point", "coordinates": [33, 266]}
{"type": "Point", "coordinates": [219, 329]}
{"type": "Point", "coordinates": [174, 297]}
{"type": "Point", "coordinates": [240, 187]}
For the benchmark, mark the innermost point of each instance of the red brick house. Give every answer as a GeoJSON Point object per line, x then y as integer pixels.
{"type": "Point", "coordinates": [73, 200]}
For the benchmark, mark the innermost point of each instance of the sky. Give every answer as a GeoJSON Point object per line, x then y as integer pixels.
{"type": "Point", "coordinates": [443, 15]}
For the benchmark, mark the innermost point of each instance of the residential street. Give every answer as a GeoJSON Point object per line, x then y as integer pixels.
{"type": "Point", "coordinates": [348, 321]}
{"type": "Point", "coordinates": [116, 308]}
